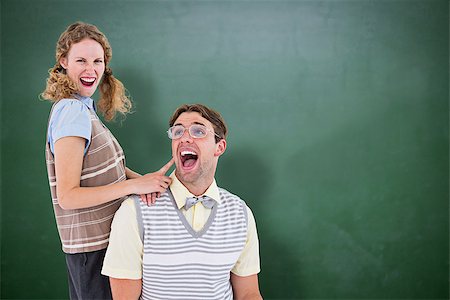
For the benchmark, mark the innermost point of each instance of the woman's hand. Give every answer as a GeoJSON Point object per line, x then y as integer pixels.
{"type": "Point", "coordinates": [151, 185]}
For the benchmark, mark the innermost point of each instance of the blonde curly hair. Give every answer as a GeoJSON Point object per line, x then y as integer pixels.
{"type": "Point", "coordinates": [113, 98]}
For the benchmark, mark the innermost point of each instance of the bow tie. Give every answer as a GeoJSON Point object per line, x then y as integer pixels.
{"type": "Point", "coordinates": [207, 202]}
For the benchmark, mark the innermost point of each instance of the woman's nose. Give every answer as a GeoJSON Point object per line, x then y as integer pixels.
{"type": "Point", "coordinates": [89, 67]}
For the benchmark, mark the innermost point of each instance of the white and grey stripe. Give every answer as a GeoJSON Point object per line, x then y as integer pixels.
{"type": "Point", "coordinates": [180, 263]}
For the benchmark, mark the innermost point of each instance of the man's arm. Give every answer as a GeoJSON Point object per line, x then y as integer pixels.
{"type": "Point", "coordinates": [123, 258]}
{"type": "Point", "coordinates": [125, 289]}
{"type": "Point", "coordinates": [245, 287]}
{"type": "Point", "coordinates": [244, 275]}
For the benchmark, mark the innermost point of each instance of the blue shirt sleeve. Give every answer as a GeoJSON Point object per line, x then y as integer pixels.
{"type": "Point", "coordinates": [70, 117]}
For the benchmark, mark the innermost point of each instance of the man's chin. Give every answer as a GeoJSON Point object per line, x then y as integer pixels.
{"type": "Point", "coordinates": [186, 177]}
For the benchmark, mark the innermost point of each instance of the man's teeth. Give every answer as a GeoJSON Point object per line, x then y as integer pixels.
{"type": "Point", "coordinates": [88, 79]}
{"type": "Point", "coordinates": [183, 153]}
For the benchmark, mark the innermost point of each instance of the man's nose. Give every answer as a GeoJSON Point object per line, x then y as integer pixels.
{"type": "Point", "coordinates": [186, 137]}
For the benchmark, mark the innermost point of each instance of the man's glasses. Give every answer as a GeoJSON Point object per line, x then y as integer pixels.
{"type": "Point", "coordinates": [196, 131]}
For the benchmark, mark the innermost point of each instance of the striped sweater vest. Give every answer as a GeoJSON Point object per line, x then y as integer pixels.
{"type": "Point", "coordinates": [180, 263]}
{"type": "Point", "coordinates": [87, 229]}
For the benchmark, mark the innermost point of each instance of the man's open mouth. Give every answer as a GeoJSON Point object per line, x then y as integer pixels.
{"type": "Point", "coordinates": [188, 158]}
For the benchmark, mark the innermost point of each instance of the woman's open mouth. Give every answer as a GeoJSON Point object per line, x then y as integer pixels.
{"type": "Point", "coordinates": [87, 81]}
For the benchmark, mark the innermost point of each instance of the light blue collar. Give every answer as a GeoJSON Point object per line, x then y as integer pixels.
{"type": "Point", "coordinates": [87, 101]}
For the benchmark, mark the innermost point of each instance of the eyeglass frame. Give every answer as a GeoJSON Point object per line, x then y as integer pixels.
{"type": "Point", "coordinates": [189, 131]}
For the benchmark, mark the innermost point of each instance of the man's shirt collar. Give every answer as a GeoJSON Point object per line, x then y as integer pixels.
{"type": "Point", "coordinates": [180, 192]}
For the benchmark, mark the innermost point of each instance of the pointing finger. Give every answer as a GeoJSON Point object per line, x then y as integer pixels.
{"type": "Point", "coordinates": [166, 167]}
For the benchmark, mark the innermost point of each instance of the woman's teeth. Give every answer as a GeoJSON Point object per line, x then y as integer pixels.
{"type": "Point", "coordinates": [87, 81]}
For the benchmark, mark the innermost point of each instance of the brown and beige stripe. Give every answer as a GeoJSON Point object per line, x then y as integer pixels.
{"type": "Point", "coordinates": [85, 230]}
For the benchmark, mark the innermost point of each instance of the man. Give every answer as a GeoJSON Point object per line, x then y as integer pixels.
{"type": "Point", "coordinates": [198, 241]}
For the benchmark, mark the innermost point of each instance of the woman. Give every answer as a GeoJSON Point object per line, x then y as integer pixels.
{"type": "Point", "coordinates": [86, 165]}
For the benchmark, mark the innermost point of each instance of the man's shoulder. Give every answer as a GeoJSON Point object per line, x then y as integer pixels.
{"type": "Point", "coordinates": [128, 205]}
{"type": "Point", "coordinates": [163, 202]}
{"type": "Point", "coordinates": [125, 216]}
{"type": "Point", "coordinates": [226, 195]}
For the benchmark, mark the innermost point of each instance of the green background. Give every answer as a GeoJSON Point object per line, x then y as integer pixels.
{"type": "Point", "coordinates": [338, 115]}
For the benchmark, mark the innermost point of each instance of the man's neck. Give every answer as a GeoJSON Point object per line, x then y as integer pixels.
{"type": "Point", "coordinates": [198, 187]}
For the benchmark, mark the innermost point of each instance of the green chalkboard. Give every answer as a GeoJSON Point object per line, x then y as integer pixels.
{"type": "Point", "coordinates": [339, 132]}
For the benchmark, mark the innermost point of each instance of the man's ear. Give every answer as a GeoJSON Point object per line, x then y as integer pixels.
{"type": "Point", "coordinates": [221, 146]}
{"type": "Point", "coordinates": [63, 62]}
